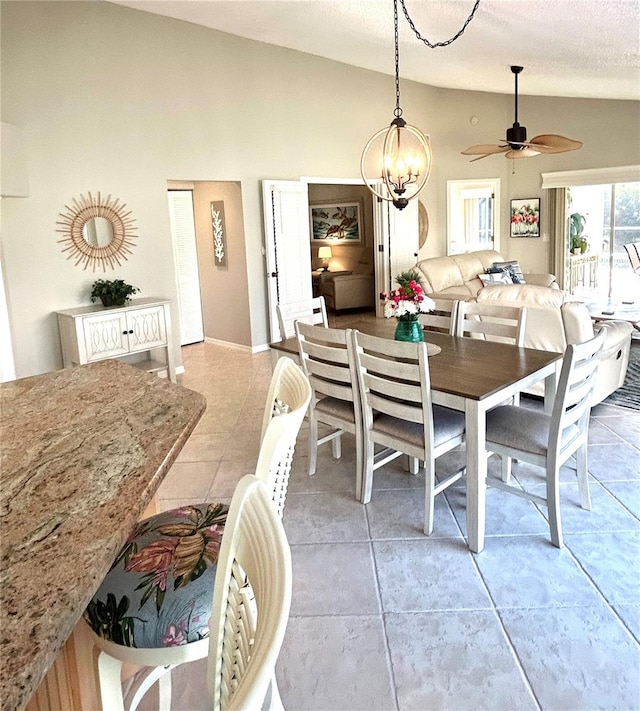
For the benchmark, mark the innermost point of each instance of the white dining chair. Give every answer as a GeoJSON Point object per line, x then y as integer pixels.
{"type": "Point", "coordinates": [493, 322]}
{"type": "Point", "coordinates": [398, 413]}
{"type": "Point", "coordinates": [152, 608]}
{"type": "Point", "coordinates": [328, 359]}
{"type": "Point", "coordinates": [442, 318]}
{"type": "Point", "coordinates": [251, 602]}
{"type": "Point", "coordinates": [313, 311]}
{"type": "Point", "coordinates": [549, 440]}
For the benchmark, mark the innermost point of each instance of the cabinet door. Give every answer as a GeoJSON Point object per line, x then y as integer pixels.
{"type": "Point", "coordinates": [146, 328]}
{"type": "Point", "coordinates": [105, 336]}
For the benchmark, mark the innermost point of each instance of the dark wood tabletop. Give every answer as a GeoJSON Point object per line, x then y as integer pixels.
{"type": "Point", "coordinates": [467, 367]}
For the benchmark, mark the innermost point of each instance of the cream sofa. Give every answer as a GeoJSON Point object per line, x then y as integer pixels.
{"type": "Point", "coordinates": [456, 277]}
{"type": "Point", "coordinates": [553, 321]}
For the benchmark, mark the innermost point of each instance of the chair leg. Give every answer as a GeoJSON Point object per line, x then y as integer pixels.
{"type": "Point", "coordinates": [313, 444]}
{"type": "Point", "coordinates": [360, 462]}
{"type": "Point", "coordinates": [583, 477]}
{"type": "Point", "coordinates": [414, 466]}
{"type": "Point", "coordinates": [336, 447]}
{"type": "Point", "coordinates": [145, 680]}
{"type": "Point", "coordinates": [553, 504]}
{"type": "Point", "coordinates": [164, 692]}
{"type": "Point", "coordinates": [429, 496]}
{"type": "Point", "coordinates": [505, 464]}
{"type": "Point", "coordinates": [109, 674]}
{"type": "Point", "coordinates": [367, 473]}
{"type": "Point", "coordinates": [275, 702]}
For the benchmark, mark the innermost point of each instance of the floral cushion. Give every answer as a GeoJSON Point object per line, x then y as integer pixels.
{"type": "Point", "coordinates": [159, 590]}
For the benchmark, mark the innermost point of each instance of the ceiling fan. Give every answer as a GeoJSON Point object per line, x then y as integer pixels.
{"type": "Point", "coordinates": [516, 144]}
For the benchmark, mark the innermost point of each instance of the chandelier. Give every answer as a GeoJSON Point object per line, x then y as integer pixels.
{"type": "Point", "coordinates": [396, 162]}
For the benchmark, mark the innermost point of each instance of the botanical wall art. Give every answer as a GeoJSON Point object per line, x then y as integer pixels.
{"type": "Point", "coordinates": [336, 222]}
{"type": "Point", "coordinates": [219, 234]}
{"type": "Point", "coordinates": [525, 217]}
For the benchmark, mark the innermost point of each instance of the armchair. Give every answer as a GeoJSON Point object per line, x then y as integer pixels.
{"type": "Point", "coordinates": [347, 289]}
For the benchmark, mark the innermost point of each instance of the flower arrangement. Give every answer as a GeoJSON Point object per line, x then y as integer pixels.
{"type": "Point", "coordinates": [409, 300]}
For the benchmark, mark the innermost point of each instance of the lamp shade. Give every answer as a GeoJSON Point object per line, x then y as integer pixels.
{"type": "Point", "coordinates": [324, 253]}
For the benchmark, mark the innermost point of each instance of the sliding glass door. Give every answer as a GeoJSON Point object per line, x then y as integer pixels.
{"type": "Point", "coordinates": [601, 220]}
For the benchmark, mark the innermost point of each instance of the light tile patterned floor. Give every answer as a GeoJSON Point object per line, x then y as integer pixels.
{"type": "Point", "coordinates": [385, 618]}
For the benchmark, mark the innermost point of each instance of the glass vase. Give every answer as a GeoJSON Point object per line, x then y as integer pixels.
{"type": "Point", "coordinates": [409, 331]}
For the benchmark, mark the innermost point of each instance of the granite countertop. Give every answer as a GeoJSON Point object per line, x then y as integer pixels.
{"type": "Point", "coordinates": [83, 451]}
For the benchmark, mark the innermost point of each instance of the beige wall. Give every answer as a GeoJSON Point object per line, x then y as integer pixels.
{"type": "Point", "coordinates": [224, 290]}
{"type": "Point", "coordinates": [120, 101]}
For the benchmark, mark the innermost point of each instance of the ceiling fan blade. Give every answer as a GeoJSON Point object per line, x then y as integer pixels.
{"type": "Point", "coordinates": [552, 143]}
{"type": "Point", "coordinates": [483, 149]}
{"type": "Point", "coordinates": [523, 153]}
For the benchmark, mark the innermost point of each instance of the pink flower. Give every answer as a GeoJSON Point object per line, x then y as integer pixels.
{"type": "Point", "coordinates": [174, 635]}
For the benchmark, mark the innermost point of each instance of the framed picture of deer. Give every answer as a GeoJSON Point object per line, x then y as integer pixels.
{"type": "Point", "coordinates": [336, 222]}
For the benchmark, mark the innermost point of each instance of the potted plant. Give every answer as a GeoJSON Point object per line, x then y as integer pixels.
{"type": "Point", "coordinates": [112, 293]}
{"type": "Point", "coordinates": [578, 242]}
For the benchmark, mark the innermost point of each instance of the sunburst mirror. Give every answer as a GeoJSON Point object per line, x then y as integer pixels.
{"type": "Point", "coordinates": [98, 232]}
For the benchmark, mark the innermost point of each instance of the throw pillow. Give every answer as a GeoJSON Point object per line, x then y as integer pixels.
{"type": "Point", "coordinates": [498, 277]}
{"type": "Point", "coordinates": [514, 269]}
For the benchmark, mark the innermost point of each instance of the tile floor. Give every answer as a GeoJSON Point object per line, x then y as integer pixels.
{"type": "Point", "coordinates": [384, 618]}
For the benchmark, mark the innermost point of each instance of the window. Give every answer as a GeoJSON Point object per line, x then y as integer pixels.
{"type": "Point", "coordinates": [471, 223]}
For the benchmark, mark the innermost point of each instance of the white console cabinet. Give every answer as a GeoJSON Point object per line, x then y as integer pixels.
{"type": "Point", "coordinates": [141, 328]}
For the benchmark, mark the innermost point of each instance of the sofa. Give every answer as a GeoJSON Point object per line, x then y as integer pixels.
{"type": "Point", "coordinates": [554, 320]}
{"type": "Point", "coordinates": [456, 277]}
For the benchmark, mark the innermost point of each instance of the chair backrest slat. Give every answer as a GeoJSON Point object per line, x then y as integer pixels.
{"type": "Point", "coordinates": [252, 598]}
{"type": "Point", "coordinates": [287, 402]}
{"type": "Point", "coordinates": [572, 404]}
{"type": "Point", "coordinates": [442, 318]}
{"type": "Point", "coordinates": [394, 380]}
{"type": "Point", "coordinates": [495, 322]}
{"type": "Point", "coordinates": [312, 311]}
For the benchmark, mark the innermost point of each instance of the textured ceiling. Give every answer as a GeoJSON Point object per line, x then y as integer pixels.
{"type": "Point", "coordinates": [574, 48]}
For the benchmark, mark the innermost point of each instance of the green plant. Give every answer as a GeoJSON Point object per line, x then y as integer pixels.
{"type": "Point", "coordinates": [577, 223]}
{"type": "Point", "coordinates": [112, 293]}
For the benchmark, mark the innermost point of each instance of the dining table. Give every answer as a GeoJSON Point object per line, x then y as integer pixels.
{"type": "Point", "coordinates": [471, 375]}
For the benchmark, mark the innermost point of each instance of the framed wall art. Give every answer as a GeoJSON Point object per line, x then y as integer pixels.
{"type": "Point", "coordinates": [525, 217]}
{"type": "Point", "coordinates": [336, 222]}
{"type": "Point", "coordinates": [219, 231]}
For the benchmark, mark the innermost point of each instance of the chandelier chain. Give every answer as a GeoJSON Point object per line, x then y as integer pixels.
{"type": "Point", "coordinates": [432, 45]}
{"type": "Point", "coordinates": [398, 111]}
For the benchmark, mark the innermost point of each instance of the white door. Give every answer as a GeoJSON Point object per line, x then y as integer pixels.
{"type": "Point", "coordinates": [288, 254]}
{"type": "Point", "coordinates": [183, 232]}
{"type": "Point", "coordinates": [396, 240]}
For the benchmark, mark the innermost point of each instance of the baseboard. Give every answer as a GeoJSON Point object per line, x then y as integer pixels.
{"type": "Point", "coordinates": [237, 346]}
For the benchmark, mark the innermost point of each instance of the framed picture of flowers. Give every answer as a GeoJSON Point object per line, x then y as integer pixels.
{"type": "Point", "coordinates": [336, 222]}
{"type": "Point", "coordinates": [525, 217]}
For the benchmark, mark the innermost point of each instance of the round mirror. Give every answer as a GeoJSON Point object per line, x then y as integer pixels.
{"type": "Point", "coordinates": [98, 232]}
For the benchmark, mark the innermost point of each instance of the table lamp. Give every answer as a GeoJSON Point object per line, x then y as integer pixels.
{"type": "Point", "coordinates": [324, 253]}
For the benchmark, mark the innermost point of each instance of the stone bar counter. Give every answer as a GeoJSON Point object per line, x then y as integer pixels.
{"type": "Point", "coordinates": [83, 451]}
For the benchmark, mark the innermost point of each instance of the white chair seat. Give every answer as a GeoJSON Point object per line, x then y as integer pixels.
{"type": "Point", "coordinates": [524, 430]}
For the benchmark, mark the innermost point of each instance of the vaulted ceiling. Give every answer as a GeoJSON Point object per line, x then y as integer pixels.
{"type": "Point", "coordinates": [571, 48]}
